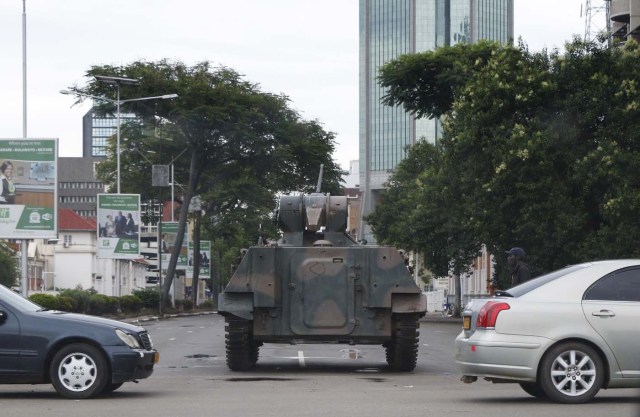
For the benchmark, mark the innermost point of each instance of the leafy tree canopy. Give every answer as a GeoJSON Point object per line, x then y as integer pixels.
{"type": "Point", "coordinates": [540, 150]}
{"type": "Point", "coordinates": [8, 268]}
{"type": "Point", "coordinates": [232, 144]}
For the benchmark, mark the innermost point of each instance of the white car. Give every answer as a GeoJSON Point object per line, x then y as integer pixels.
{"type": "Point", "coordinates": [562, 336]}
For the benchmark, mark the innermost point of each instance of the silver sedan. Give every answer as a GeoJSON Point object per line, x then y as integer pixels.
{"type": "Point", "coordinates": [562, 336]}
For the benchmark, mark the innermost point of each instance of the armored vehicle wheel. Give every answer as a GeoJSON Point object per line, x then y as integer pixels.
{"type": "Point", "coordinates": [255, 351]}
{"type": "Point", "coordinates": [242, 351]}
{"type": "Point", "coordinates": [402, 350]}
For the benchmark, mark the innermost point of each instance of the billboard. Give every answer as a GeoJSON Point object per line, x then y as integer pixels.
{"type": "Point", "coordinates": [28, 188]}
{"type": "Point", "coordinates": [119, 226]}
{"type": "Point", "coordinates": [169, 233]}
{"type": "Point", "coordinates": [205, 260]}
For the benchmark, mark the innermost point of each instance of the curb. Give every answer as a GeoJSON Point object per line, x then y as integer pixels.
{"type": "Point", "coordinates": [143, 319]}
{"type": "Point", "coordinates": [430, 317]}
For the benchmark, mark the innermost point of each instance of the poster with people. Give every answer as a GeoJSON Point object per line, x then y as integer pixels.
{"type": "Point", "coordinates": [169, 232]}
{"type": "Point", "coordinates": [205, 259]}
{"type": "Point", "coordinates": [28, 190]}
{"type": "Point", "coordinates": [119, 226]}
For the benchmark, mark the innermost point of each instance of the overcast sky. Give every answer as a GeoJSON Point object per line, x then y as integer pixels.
{"type": "Point", "coordinates": [306, 49]}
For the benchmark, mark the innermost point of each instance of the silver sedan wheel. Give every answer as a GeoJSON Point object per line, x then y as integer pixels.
{"type": "Point", "coordinates": [77, 372]}
{"type": "Point", "coordinates": [571, 372]}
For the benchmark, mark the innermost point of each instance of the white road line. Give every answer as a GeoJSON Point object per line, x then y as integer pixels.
{"type": "Point", "coordinates": [301, 359]}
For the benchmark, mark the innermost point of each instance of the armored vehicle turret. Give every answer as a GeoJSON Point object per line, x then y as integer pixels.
{"type": "Point", "coordinates": [318, 285]}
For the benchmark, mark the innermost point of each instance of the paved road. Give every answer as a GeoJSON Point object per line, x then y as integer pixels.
{"type": "Point", "coordinates": [306, 380]}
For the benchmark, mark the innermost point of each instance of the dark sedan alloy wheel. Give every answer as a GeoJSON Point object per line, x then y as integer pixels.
{"type": "Point", "coordinates": [79, 371]}
{"type": "Point", "coordinates": [571, 373]}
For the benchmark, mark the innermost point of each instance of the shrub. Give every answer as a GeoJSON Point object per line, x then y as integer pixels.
{"type": "Point", "coordinates": [81, 298]}
{"type": "Point", "coordinates": [207, 304]}
{"type": "Point", "coordinates": [187, 304]}
{"type": "Point", "coordinates": [130, 303]}
{"type": "Point", "coordinates": [150, 297]}
{"type": "Point", "coordinates": [47, 301]}
{"type": "Point", "coordinates": [102, 304]}
{"type": "Point", "coordinates": [66, 303]}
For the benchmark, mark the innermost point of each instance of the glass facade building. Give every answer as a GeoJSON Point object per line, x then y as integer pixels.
{"type": "Point", "coordinates": [97, 130]}
{"type": "Point", "coordinates": [390, 28]}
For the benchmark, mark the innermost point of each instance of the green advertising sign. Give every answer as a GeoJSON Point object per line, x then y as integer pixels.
{"type": "Point", "coordinates": [119, 226]}
{"type": "Point", "coordinates": [169, 233]}
{"type": "Point", "coordinates": [205, 260]}
{"type": "Point", "coordinates": [28, 188]}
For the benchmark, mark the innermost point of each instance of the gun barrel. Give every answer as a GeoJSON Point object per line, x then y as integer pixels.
{"type": "Point", "coordinates": [320, 178]}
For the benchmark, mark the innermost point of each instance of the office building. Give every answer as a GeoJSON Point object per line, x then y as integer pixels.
{"type": "Point", "coordinates": [388, 29]}
{"type": "Point", "coordinates": [97, 130]}
{"type": "Point", "coordinates": [78, 186]}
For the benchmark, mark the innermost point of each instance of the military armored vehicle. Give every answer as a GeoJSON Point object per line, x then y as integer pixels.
{"type": "Point", "coordinates": [318, 285]}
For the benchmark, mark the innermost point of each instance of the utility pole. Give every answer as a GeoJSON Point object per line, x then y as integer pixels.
{"type": "Point", "coordinates": [24, 243]}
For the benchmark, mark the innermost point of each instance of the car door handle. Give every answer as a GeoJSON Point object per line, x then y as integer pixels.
{"type": "Point", "coordinates": [603, 313]}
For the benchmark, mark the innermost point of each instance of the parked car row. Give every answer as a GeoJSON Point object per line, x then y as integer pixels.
{"type": "Point", "coordinates": [562, 336]}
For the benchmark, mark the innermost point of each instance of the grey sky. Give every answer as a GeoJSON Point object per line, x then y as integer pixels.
{"type": "Point", "coordinates": [306, 49]}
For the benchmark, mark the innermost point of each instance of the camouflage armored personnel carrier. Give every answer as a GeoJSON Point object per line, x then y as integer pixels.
{"type": "Point", "coordinates": [317, 285]}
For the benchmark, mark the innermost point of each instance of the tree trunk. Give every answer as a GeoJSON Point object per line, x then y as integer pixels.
{"type": "Point", "coordinates": [182, 225]}
{"type": "Point", "coordinates": [195, 280]}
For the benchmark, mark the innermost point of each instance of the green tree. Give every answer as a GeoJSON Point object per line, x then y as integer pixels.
{"type": "Point", "coordinates": [540, 150]}
{"type": "Point", "coordinates": [229, 128]}
{"type": "Point", "coordinates": [8, 265]}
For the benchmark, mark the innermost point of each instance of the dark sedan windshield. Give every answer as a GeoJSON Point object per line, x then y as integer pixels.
{"type": "Point", "coordinates": [14, 300]}
{"type": "Point", "coordinates": [532, 284]}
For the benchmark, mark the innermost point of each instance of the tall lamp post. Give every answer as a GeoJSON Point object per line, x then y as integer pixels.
{"type": "Point", "coordinates": [118, 81]}
{"type": "Point", "coordinates": [24, 243]}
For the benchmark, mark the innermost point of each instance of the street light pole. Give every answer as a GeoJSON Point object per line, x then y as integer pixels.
{"type": "Point", "coordinates": [117, 81]}
{"type": "Point", "coordinates": [118, 139]}
{"type": "Point", "coordinates": [24, 243]}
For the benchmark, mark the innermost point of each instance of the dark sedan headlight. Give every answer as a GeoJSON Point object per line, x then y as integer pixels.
{"type": "Point", "coordinates": [128, 339]}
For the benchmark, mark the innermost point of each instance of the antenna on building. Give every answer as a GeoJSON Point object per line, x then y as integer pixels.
{"type": "Point", "coordinates": [597, 20]}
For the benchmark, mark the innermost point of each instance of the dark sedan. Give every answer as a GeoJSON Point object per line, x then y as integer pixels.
{"type": "Point", "coordinates": [81, 356]}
